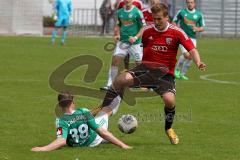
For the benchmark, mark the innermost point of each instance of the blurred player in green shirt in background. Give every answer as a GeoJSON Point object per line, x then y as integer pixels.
{"type": "Point", "coordinates": [191, 21]}
{"type": "Point", "coordinates": [127, 34]}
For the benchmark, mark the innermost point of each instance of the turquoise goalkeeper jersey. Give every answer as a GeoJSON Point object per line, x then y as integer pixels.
{"type": "Point", "coordinates": [77, 128]}
{"type": "Point", "coordinates": [188, 19]}
{"type": "Point", "coordinates": [130, 22]}
{"type": "Point", "coordinates": [63, 8]}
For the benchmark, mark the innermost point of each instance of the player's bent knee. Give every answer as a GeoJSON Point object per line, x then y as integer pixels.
{"type": "Point", "coordinates": [118, 82]}
{"type": "Point", "coordinates": [128, 77]}
{"type": "Point", "coordinates": [116, 61]}
{"type": "Point", "coordinates": [169, 99]}
{"type": "Point", "coordinates": [124, 80]}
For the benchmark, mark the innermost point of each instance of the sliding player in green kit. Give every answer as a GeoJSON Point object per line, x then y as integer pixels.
{"type": "Point", "coordinates": [78, 127]}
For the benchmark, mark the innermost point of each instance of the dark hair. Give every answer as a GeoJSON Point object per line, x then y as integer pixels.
{"type": "Point", "coordinates": [65, 99]}
{"type": "Point", "coordinates": [160, 7]}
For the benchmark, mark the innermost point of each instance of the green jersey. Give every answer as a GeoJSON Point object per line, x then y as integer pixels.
{"type": "Point", "coordinates": [130, 22]}
{"type": "Point", "coordinates": [77, 128]}
{"type": "Point", "coordinates": [189, 19]}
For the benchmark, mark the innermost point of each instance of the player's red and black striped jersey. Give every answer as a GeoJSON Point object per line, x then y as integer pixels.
{"type": "Point", "coordinates": [136, 3]}
{"type": "Point", "coordinates": [161, 46]}
{"type": "Point", "coordinates": [147, 14]}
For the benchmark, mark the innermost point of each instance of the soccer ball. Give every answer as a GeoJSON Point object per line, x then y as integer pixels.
{"type": "Point", "coordinates": [127, 124]}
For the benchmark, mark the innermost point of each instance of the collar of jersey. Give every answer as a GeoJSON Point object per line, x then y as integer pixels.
{"type": "Point", "coordinates": [129, 9]}
{"type": "Point", "coordinates": [191, 11]}
{"type": "Point", "coordinates": [162, 30]}
{"type": "Point", "coordinates": [70, 113]}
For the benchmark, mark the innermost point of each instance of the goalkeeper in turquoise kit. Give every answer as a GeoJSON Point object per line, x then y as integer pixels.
{"type": "Point", "coordinates": [78, 127]}
{"type": "Point", "coordinates": [63, 16]}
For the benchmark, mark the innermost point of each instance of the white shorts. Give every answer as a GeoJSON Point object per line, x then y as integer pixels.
{"type": "Point", "coordinates": [122, 49]}
{"type": "Point", "coordinates": [183, 50]}
{"type": "Point", "coordinates": [102, 120]}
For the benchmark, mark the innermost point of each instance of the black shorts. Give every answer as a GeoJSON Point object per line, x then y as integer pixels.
{"type": "Point", "coordinates": [156, 78]}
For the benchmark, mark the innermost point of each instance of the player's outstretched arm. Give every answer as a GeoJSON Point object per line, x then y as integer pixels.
{"type": "Point", "coordinates": [197, 60]}
{"type": "Point", "coordinates": [111, 138]}
{"type": "Point", "coordinates": [58, 143]}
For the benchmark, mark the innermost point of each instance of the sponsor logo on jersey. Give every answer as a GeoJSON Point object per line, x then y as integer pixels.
{"type": "Point", "coordinates": [77, 118]}
{"type": "Point", "coordinates": [168, 41]}
{"type": "Point", "coordinates": [59, 131]}
{"type": "Point", "coordinates": [127, 22]}
{"type": "Point", "coordinates": [189, 22]}
{"type": "Point", "coordinates": [158, 48]}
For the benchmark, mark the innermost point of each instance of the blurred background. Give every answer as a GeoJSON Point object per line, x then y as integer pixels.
{"type": "Point", "coordinates": [34, 17]}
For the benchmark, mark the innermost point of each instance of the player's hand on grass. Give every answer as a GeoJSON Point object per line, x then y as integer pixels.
{"type": "Point", "coordinates": [37, 149]}
{"type": "Point", "coordinates": [202, 66]}
{"type": "Point", "coordinates": [126, 147]}
{"type": "Point", "coordinates": [132, 39]}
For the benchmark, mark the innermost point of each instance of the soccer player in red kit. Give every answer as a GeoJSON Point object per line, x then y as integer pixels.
{"type": "Point", "coordinates": [147, 13]}
{"type": "Point", "coordinates": [160, 45]}
{"type": "Point", "coordinates": [136, 3]}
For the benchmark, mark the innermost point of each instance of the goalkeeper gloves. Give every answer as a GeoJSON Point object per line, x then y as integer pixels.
{"type": "Point", "coordinates": [54, 16]}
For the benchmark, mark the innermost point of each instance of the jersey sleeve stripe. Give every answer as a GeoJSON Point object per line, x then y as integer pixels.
{"type": "Point", "coordinates": [175, 19]}
{"type": "Point", "coordinates": [180, 30]}
{"type": "Point", "coordinates": [203, 20]}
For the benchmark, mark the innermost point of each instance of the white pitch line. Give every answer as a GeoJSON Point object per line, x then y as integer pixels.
{"type": "Point", "coordinates": [206, 77]}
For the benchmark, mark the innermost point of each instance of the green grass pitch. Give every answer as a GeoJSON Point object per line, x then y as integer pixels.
{"type": "Point", "coordinates": [207, 119]}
